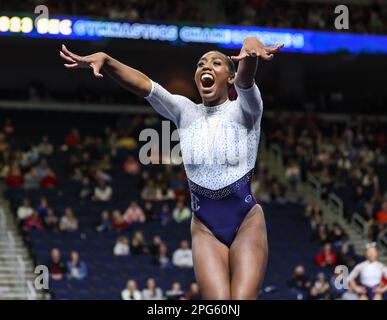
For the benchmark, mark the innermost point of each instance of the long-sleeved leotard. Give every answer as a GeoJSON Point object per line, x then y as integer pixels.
{"type": "Point", "coordinates": [219, 146]}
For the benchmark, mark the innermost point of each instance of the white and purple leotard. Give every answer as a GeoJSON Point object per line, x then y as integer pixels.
{"type": "Point", "coordinates": [219, 146]}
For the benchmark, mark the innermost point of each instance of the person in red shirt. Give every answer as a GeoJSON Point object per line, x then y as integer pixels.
{"type": "Point", "coordinates": [73, 139]}
{"type": "Point", "coordinates": [118, 222]}
{"type": "Point", "coordinates": [14, 179]}
{"type": "Point", "coordinates": [381, 215]}
{"type": "Point", "coordinates": [49, 181]}
{"type": "Point", "coordinates": [33, 222]}
{"type": "Point", "coordinates": [326, 257]}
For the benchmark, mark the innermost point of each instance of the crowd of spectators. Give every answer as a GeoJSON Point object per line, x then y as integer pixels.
{"type": "Point", "coordinates": [348, 159]}
{"type": "Point", "coordinates": [344, 158]}
{"type": "Point", "coordinates": [340, 157]}
{"type": "Point", "coordinates": [366, 18]}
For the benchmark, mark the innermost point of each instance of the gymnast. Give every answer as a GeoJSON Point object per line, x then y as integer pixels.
{"type": "Point", "coordinates": [219, 143]}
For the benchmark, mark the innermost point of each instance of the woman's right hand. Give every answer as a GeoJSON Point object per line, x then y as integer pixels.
{"type": "Point", "coordinates": [94, 61]}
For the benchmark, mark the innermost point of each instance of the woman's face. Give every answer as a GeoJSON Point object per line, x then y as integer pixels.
{"type": "Point", "coordinates": [212, 78]}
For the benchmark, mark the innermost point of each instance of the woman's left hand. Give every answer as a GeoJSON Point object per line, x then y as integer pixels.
{"type": "Point", "coordinates": [252, 47]}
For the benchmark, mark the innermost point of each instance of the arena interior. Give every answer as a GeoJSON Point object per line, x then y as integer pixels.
{"type": "Point", "coordinates": [76, 200]}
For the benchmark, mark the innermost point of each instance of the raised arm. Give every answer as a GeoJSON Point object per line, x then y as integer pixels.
{"type": "Point", "coordinates": [248, 60]}
{"type": "Point", "coordinates": [129, 78]}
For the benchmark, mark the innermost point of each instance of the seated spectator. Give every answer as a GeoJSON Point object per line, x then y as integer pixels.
{"type": "Point", "coordinates": [45, 148]}
{"type": "Point", "coordinates": [56, 266]}
{"type": "Point", "coordinates": [182, 257]}
{"type": "Point", "coordinates": [134, 214]}
{"type": "Point", "coordinates": [162, 259]}
{"type": "Point", "coordinates": [165, 215]}
{"type": "Point", "coordinates": [181, 212]}
{"type": "Point", "coordinates": [25, 210]}
{"type": "Point", "coordinates": [77, 175]}
{"type": "Point", "coordinates": [118, 222]}
{"type": "Point", "coordinates": [346, 257]}
{"type": "Point", "coordinates": [175, 293]}
{"type": "Point", "coordinates": [42, 208]}
{"type": "Point", "coordinates": [193, 293]}
{"type": "Point", "coordinates": [152, 292]}
{"type": "Point", "coordinates": [86, 190]}
{"type": "Point", "coordinates": [149, 212]}
{"type": "Point", "coordinates": [51, 221]}
{"type": "Point", "coordinates": [33, 222]}
{"type": "Point", "coordinates": [73, 139]}
{"type": "Point", "coordinates": [14, 179]}
{"type": "Point", "coordinates": [49, 181]}
{"type": "Point", "coordinates": [299, 282]}
{"type": "Point", "coordinates": [149, 192]}
{"type": "Point", "coordinates": [320, 235]}
{"type": "Point", "coordinates": [138, 245]}
{"type": "Point", "coordinates": [76, 269]}
{"type": "Point", "coordinates": [31, 156]}
{"type": "Point", "coordinates": [42, 168]}
{"type": "Point", "coordinates": [131, 292]}
{"type": "Point", "coordinates": [100, 175]}
{"type": "Point", "coordinates": [326, 257]}
{"type": "Point", "coordinates": [105, 164]}
{"type": "Point", "coordinates": [337, 236]}
{"type": "Point", "coordinates": [104, 224]}
{"type": "Point", "coordinates": [292, 173]}
{"type": "Point", "coordinates": [121, 247]}
{"type": "Point", "coordinates": [291, 195]}
{"type": "Point", "coordinates": [131, 166]}
{"type": "Point", "coordinates": [164, 193]}
{"type": "Point", "coordinates": [155, 245]}
{"type": "Point", "coordinates": [103, 192]}
{"type": "Point", "coordinates": [68, 222]}
{"type": "Point", "coordinates": [31, 179]}
{"type": "Point", "coordinates": [320, 288]}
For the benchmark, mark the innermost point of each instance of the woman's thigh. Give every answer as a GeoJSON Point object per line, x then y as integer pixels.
{"type": "Point", "coordinates": [211, 263]}
{"type": "Point", "coordinates": [248, 256]}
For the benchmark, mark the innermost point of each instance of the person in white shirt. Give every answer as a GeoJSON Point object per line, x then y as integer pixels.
{"type": "Point", "coordinates": [370, 274]}
{"type": "Point", "coordinates": [152, 292]}
{"type": "Point", "coordinates": [25, 210]}
{"type": "Point", "coordinates": [131, 292]}
{"type": "Point", "coordinates": [103, 192]}
{"type": "Point", "coordinates": [122, 247]}
{"type": "Point", "coordinates": [182, 257]}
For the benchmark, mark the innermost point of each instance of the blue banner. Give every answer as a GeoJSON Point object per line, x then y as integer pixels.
{"type": "Point", "coordinates": [303, 41]}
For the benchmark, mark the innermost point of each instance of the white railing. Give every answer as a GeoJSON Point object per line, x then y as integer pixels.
{"type": "Point", "coordinates": [31, 292]}
{"type": "Point", "coordinates": [21, 271]}
{"type": "Point", "coordinates": [10, 245]}
{"type": "Point", "coordinates": [314, 190]}
{"type": "Point", "coordinates": [360, 224]}
{"type": "Point", "coordinates": [382, 240]}
{"type": "Point", "coordinates": [14, 262]}
{"type": "Point", "coordinates": [336, 206]}
{"type": "Point", "coordinates": [2, 221]}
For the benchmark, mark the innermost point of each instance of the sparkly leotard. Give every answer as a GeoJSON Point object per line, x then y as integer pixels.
{"type": "Point", "coordinates": [219, 146]}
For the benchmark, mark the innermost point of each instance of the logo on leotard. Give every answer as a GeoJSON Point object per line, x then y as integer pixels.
{"type": "Point", "coordinates": [194, 202]}
{"type": "Point", "coordinates": [248, 198]}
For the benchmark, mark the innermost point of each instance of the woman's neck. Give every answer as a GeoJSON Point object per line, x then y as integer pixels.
{"type": "Point", "coordinates": [215, 102]}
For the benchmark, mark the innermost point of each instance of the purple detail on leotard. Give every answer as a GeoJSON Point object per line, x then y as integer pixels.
{"type": "Point", "coordinates": [223, 211]}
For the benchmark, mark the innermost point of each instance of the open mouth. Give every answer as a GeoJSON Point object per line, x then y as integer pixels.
{"type": "Point", "coordinates": [207, 80]}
